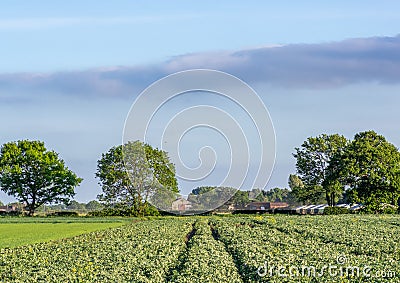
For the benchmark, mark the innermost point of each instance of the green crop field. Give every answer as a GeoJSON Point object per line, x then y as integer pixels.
{"type": "Point", "coordinates": [268, 248]}
{"type": "Point", "coordinates": [22, 231]}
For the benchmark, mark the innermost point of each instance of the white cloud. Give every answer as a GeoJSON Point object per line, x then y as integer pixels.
{"type": "Point", "coordinates": [307, 66]}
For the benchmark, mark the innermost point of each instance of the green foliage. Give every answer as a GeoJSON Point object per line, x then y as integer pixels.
{"type": "Point", "coordinates": [204, 198]}
{"type": "Point", "coordinates": [133, 174]}
{"type": "Point", "coordinates": [147, 210]}
{"type": "Point", "coordinates": [334, 210]}
{"type": "Point", "coordinates": [11, 213]}
{"type": "Point", "coordinates": [215, 195]}
{"type": "Point", "coordinates": [114, 179]}
{"type": "Point", "coordinates": [256, 194]}
{"type": "Point", "coordinates": [371, 167]}
{"type": "Point", "coordinates": [295, 182]}
{"type": "Point", "coordinates": [305, 194]}
{"type": "Point", "coordinates": [52, 207]}
{"type": "Point", "coordinates": [23, 230]}
{"type": "Point", "coordinates": [312, 161]}
{"type": "Point", "coordinates": [279, 195]}
{"type": "Point", "coordinates": [310, 241]}
{"type": "Point", "coordinates": [66, 220]}
{"type": "Point", "coordinates": [140, 252]}
{"type": "Point", "coordinates": [64, 213]}
{"type": "Point", "coordinates": [213, 249]}
{"type": "Point", "coordinates": [162, 169]}
{"type": "Point", "coordinates": [34, 175]}
{"type": "Point", "coordinates": [74, 205]}
{"type": "Point", "coordinates": [240, 199]}
{"type": "Point", "coordinates": [93, 205]}
{"type": "Point", "coordinates": [381, 208]}
{"type": "Point", "coordinates": [205, 259]}
{"type": "Point", "coordinates": [390, 210]}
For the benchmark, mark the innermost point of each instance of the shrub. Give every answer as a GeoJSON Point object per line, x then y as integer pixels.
{"type": "Point", "coordinates": [148, 210]}
{"type": "Point", "coordinates": [11, 213]}
{"type": "Point", "coordinates": [390, 210]}
{"type": "Point", "coordinates": [382, 208]}
{"type": "Point", "coordinates": [63, 213]}
{"type": "Point", "coordinates": [334, 210]}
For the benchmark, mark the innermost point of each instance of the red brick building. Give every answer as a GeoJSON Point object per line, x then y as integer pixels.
{"type": "Point", "coordinates": [266, 205]}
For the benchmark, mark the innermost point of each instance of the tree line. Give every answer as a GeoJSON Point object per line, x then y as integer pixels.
{"type": "Point", "coordinates": [130, 175]}
{"type": "Point", "coordinates": [363, 170]}
{"type": "Point", "coordinates": [329, 168]}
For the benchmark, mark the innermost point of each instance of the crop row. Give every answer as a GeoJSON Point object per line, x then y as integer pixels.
{"type": "Point", "coordinates": [289, 249]}
{"type": "Point", "coordinates": [139, 252]}
{"type": "Point", "coordinates": [213, 249]}
{"type": "Point", "coordinates": [205, 259]}
{"type": "Point", "coordinates": [371, 236]}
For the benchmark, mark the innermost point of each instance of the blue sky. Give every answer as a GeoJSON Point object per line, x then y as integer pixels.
{"type": "Point", "coordinates": [70, 70]}
{"type": "Point", "coordinates": [58, 35]}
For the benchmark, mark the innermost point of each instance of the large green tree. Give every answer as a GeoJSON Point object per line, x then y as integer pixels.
{"type": "Point", "coordinates": [93, 205]}
{"type": "Point", "coordinates": [208, 198]}
{"type": "Point", "coordinates": [133, 174]}
{"type": "Point", "coordinates": [300, 192]}
{"type": "Point", "coordinates": [240, 199]}
{"type": "Point", "coordinates": [279, 195]}
{"type": "Point", "coordinates": [370, 167]}
{"type": "Point", "coordinates": [161, 168]}
{"type": "Point", "coordinates": [34, 175]}
{"type": "Point", "coordinates": [74, 205]}
{"type": "Point", "coordinates": [312, 161]}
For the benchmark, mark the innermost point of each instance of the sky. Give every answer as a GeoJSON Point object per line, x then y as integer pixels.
{"type": "Point", "coordinates": [71, 70]}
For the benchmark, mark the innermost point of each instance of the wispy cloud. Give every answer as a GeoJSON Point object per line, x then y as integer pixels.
{"type": "Point", "coordinates": [327, 65]}
{"type": "Point", "coordinates": [47, 23]}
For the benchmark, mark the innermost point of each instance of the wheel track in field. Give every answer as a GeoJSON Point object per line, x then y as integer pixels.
{"type": "Point", "coordinates": [240, 265]}
{"type": "Point", "coordinates": [182, 257]}
{"type": "Point", "coordinates": [218, 258]}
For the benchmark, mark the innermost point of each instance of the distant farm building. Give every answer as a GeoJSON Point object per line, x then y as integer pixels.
{"type": "Point", "coordinates": [181, 204]}
{"type": "Point", "coordinates": [319, 208]}
{"type": "Point", "coordinates": [4, 209]}
{"type": "Point", "coordinates": [266, 205]}
{"type": "Point", "coordinates": [311, 209]}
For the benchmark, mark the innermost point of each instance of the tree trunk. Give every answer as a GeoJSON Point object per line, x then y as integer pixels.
{"type": "Point", "coordinates": [328, 198]}
{"type": "Point", "coordinates": [31, 211]}
{"type": "Point", "coordinates": [32, 207]}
